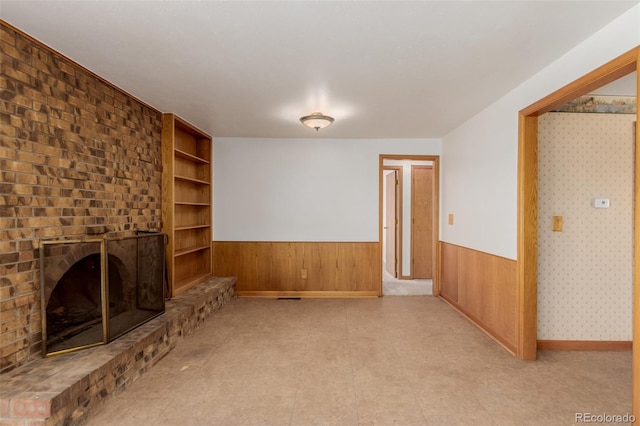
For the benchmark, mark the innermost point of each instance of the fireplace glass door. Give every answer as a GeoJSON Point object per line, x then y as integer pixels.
{"type": "Point", "coordinates": [93, 291]}
{"type": "Point", "coordinates": [139, 296]}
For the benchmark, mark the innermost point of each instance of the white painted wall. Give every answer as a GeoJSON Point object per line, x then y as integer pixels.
{"type": "Point", "coordinates": [301, 189]}
{"type": "Point", "coordinates": [479, 158]}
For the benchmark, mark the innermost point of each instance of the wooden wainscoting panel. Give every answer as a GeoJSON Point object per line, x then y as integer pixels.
{"type": "Point", "coordinates": [229, 258]}
{"type": "Point", "coordinates": [471, 275]}
{"type": "Point", "coordinates": [358, 264]}
{"type": "Point", "coordinates": [282, 261]}
{"type": "Point", "coordinates": [276, 269]}
{"type": "Point", "coordinates": [483, 287]}
{"type": "Point", "coordinates": [502, 297]}
{"type": "Point", "coordinates": [449, 279]}
{"type": "Point", "coordinates": [320, 262]}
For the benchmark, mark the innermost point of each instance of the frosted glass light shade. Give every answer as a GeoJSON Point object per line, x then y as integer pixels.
{"type": "Point", "coordinates": [316, 120]}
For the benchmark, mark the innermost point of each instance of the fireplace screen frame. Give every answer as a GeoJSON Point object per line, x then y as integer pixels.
{"type": "Point", "coordinates": [104, 288]}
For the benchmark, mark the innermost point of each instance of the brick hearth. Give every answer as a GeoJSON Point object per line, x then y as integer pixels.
{"type": "Point", "coordinates": [65, 389]}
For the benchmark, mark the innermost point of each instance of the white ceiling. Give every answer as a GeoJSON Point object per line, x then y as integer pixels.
{"type": "Point", "coordinates": [391, 69]}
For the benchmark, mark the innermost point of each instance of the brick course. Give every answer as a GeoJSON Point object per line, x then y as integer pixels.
{"type": "Point", "coordinates": [78, 158]}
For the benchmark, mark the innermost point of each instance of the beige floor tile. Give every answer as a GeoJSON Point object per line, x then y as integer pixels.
{"type": "Point", "coordinates": [390, 409]}
{"type": "Point", "coordinates": [325, 402]}
{"type": "Point", "coordinates": [273, 408]}
{"type": "Point", "coordinates": [395, 360]}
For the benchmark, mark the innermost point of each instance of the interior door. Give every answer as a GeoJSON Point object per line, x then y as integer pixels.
{"type": "Point", "coordinates": [422, 222]}
{"type": "Point", "coordinates": [391, 225]}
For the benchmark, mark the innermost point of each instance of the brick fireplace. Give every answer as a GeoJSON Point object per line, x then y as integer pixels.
{"type": "Point", "coordinates": [79, 158]}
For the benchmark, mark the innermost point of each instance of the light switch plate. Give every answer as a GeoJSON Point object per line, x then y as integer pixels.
{"type": "Point", "coordinates": [557, 224]}
{"type": "Point", "coordinates": [601, 203]}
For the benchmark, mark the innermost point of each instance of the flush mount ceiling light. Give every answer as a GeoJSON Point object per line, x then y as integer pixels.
{"type": "Point", "coordinates": [316, 120]}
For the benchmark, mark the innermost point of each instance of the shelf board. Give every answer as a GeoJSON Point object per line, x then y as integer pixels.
{"type": "Point", "coordinates": [186, 228]}
{"type": "Point", "coordinates": [186, 283]}
{"type": "Point", "coordinates": [192, 180]}
{"type": "Point", "coordinates": [190, 157]}
{"type": "Point", "coordinates": [187, 203]}
{"type": "Point", "coordinates": [188, 250]}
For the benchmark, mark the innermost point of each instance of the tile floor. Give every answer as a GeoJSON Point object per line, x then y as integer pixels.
{"type": "Point", "coordinates": [393, 360]}
{"type": "Point", "coordinates": [392, 286]}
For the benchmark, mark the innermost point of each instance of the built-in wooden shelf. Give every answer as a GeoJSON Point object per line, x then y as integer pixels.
{"type": "Point", "coordinates": [186, 202]}
{"type": "Point", "coordinates": [193, 280]}
{"type": "Point", "coordinates": [192, 180]}
{"type": "Point", "coordinates": [187, 156]}
{"type": "Point", "coordinates": [188, 250]}
{"type": "Point", "coordinates": [186, 228]}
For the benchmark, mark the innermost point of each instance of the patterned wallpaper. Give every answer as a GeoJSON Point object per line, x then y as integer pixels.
{"type": "Point", "coordinates": [585, 272]}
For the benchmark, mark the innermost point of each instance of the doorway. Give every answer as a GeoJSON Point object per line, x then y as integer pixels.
{"type": "Point", "coordinates": [528, 202]}
{"type": "Point", "coordinates": [409, 224]}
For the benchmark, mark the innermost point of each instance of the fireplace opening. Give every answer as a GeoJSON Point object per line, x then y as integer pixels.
{"type": "Point", "coordinates": [74, 311]}
{"type": "Point", "coordinates": [74, 281]}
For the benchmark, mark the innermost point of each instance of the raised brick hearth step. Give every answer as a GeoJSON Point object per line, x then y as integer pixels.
{"type": "Point", "coordinates": [63, 389]}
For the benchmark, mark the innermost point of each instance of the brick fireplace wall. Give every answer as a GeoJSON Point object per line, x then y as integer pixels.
{"type": "Point", "coordinates": [78, 158]}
